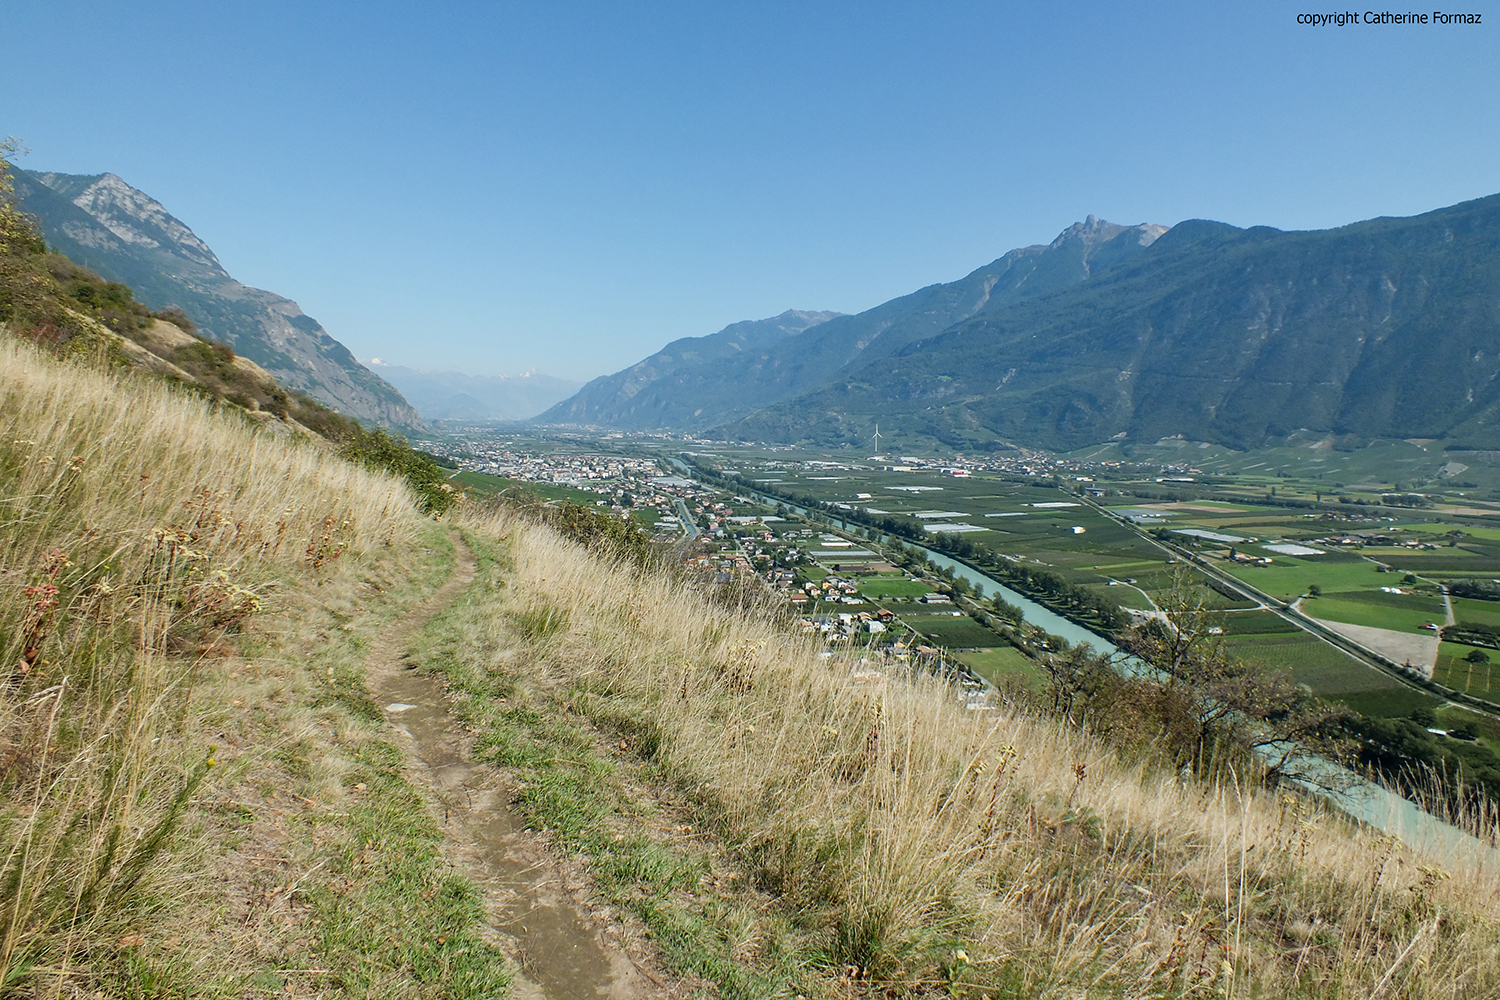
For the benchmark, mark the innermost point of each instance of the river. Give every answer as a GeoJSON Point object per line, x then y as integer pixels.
{"type": "Point", "coordinates": [1364, 800]}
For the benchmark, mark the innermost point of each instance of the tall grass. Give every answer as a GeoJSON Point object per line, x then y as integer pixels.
{"type": "Point", "coordinates": [994, 850]}
{"type": "Point", "coordinates": [138, 530]}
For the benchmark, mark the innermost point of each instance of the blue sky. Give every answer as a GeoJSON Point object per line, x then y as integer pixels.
{"type": "Point", "coordinates": [494, 187]}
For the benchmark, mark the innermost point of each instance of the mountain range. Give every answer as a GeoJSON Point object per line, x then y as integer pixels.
{"type": "Point", "coordinates": [1383, 328]}
{"type": "Point", "coordinates": [125, 235]}
{"type": "Point", "coordinates": [456, 396]}
{"type": "Point", "coordinates": [702, 382]}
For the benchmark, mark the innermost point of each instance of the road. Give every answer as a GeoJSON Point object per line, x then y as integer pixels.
{"type": "Point", "coordinates": [1289, 612]}
{"type": "Point", "coordinates": [689, 525]}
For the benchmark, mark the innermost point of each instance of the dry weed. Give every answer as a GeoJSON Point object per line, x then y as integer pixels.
{"type": "Point", "coordinates": [138, 532]}
{"type": "Point", "coordinates": [995, 849]}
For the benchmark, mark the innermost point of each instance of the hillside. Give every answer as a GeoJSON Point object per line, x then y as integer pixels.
{"type": "Point", "coordinates": [236, 620]}
{"type": "Point", "coordinates": [680, 385]}
{"type": "Point", "coordinates": [456, 396]}
{"type": "Point", "coordinates": [123, 234]}
{"type": "Point", "coordinates": [268, 729]}
{"type": "Point", "coordinates": [697, 383]}
{"type": "Point", "coordinates": [1386, 328]}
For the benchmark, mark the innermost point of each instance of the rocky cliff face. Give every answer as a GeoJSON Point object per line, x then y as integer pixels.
{"type": "Point", "coordinates": [126, 235]}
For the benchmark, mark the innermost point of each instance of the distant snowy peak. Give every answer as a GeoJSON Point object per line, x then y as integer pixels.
{"type": "Point", "coordinates": [440, 395]}
{"type": "Point", "coordinates": [133, 216]}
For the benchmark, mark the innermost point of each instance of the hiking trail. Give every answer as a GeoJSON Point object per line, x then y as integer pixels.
{"type": "Point", "coordinates": [533, 899]}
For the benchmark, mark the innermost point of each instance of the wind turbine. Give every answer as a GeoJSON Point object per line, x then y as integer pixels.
{"type": "Point", "coordinates": [877, 441]}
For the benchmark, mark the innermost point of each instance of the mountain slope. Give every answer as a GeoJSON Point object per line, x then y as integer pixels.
{"type": "Point", "coordinates": [456, 396]}
{"type": "Point", "coordinates": [677, 386]}
{"type": "Point", "coordinates": [123, 234]}
{"type": "Point", "coordinates": [1385, 328]}
{"type": "Point", "coordinates": [689, 386]}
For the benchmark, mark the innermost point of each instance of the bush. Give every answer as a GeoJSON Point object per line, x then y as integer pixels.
{"type": "Point", "coordinates": [390, 453]}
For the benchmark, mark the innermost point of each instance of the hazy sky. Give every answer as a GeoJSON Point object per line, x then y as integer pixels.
{"type": "Point", "coordinates": [492, 187]}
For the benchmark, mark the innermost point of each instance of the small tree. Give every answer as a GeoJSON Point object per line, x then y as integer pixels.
{"type": "Point", "coordinates": [1478, 656]}
{"type": "Point", "coordinates": [1211, 711]}
{"type": "Point", "coordinates": [1313, 590]}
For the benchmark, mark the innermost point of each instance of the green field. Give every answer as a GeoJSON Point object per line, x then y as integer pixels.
{"type": "Point", "coordinates": [1376, 610]}
{"type": "Point", "coordinates": [1482, 680]}
{"type": "Point", "coordinates": [1332, 674]}
{"type": "Point", "coordinates": [1257, 623]}
{"type": "Point", "coordinates": [481, 482]}
{"type": "Point", "coordinates": [960, 632]}
{"type": "Point", "coordinates": [1288, 577]}
{"type": "Point", "coordinates": [1466, 609]}
{"type": "Point", "coordinates": [892, 586]}
{"type": "Point", "coordinates": [1453, 716]}
{"type": "Point", "coordinates": [1002, 661]}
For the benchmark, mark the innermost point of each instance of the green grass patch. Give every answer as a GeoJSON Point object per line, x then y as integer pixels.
{"type": "Point", "coordinates": [1453, 716]}
{"type": "Point", "coordinates": [1466, 609]}
{"type": "Point", "coordinates": [392, 908]}
{"type": "Point", "coordinates": [999, 662]}
{"type": "Point", "coordinates": [954, 632]}
{"type": "Point", "coordinates": [1367, 609]}
{"type": "Point", "coordinates": [893, 586]}
{"type": "Point", "coordinates": [1289, 577]}
{"type": "Point", "coordinates": [1258, 622]}
{"type": "Point", "coordinates": [1331, 673]}
{"type": "Point", "coordinates": [482, 482]}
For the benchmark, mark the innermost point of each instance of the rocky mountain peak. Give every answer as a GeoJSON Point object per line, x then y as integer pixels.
{"type": "Point", "coordinates": [1093, 231]}
{"type": "Point", "coordinates": [125, 235]}
{"type": "Point", "coordinates": [133, 216]}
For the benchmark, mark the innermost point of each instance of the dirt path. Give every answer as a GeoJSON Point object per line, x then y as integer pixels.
{"type": "Point", "coordinates": [532, 899]}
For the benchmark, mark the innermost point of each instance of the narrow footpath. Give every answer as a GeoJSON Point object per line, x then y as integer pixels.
{"type": "Point", "coordinates": [535, 902]}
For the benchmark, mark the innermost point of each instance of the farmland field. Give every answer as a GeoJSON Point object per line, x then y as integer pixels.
{"type": "Point", "coordinates": [1478, 612]}
{"type": "Point", "coordinates": [1041, 525]}
{"type": "Point", "coordinates": [1365, 609]}
{"type": "Point", "coordinates": [1332, 674]}
{"type": "Point", "coordinates": [1000, 661]}
{"type": "Point", "coordinates": [1453, 716]}
{"type": "Point", "coordinates": [960, 632]}
{"type": "Point", "coordinates": [1482, 680]}
{"type": "Point", "coordinates": [1288, 577]}
{"type": "Point", "coordinates": [1257, 623]}
{"type": "Point", "coordinates": [892, 586]}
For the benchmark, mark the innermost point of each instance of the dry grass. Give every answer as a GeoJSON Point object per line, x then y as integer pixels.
{"type": "Point", "coordinates": [138, 532]}
{"type": "Point", "coordinates": [933, 845]}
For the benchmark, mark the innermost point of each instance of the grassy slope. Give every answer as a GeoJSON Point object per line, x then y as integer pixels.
{"type": "Point", "coordinates": [770, 816]}
{"type": "Point", "coordinates": [778, 819]}
{"type": "Point", "coordinates": [198, 798]}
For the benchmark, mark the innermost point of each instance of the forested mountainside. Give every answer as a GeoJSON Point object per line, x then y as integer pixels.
{"type": "Point", "coordinates": [1385, 328]}
{"type": "Point", "coordinates": [697, 383]}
